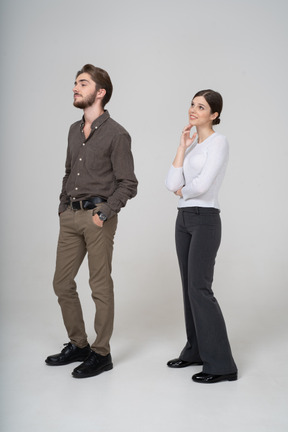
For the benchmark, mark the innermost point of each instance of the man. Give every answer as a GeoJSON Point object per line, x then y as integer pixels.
{"type": "Point", "coordinates": [99, 179]}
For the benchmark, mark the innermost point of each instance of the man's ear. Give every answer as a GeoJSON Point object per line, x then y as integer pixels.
{"type": "Point", "coordinates": [101, 93]}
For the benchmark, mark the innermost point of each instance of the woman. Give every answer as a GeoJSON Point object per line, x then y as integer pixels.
{"type": "Point", "coordinates": [196, 176]}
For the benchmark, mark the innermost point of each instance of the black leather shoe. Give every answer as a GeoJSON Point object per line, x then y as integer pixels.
{"type": "Point", "coordinates": [178, 363]}
{"type": "Point", "coordinates": [210, 379]}
{"type": "Point", "coordinates": [71, 353]}
{"type": "Point", "coordinates": [95, 364]}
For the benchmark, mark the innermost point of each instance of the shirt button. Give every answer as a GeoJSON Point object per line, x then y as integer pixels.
{"type": "Point", "coordinates": [96, 127]}
{"type": "Point", "coordinates": [80, 159]}
{"type": "Point", "coordinates": [83, 144]}
{"type": "Point", "coordinates": [78, 173]}
{"type": "Point", "coordinates": [76, 188]}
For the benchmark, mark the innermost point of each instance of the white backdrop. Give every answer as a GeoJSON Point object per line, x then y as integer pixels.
{"type": "Point", "coordinates": [158, 54]}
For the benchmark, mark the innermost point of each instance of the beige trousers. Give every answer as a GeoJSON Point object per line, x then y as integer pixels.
{"type": "Point", "coordinates": [79, 235]}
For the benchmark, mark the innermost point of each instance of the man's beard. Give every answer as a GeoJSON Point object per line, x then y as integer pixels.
{"type": "Point", "coordinates": [85, 102]}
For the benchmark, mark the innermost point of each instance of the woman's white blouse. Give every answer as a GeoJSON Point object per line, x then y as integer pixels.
{"type": "Point", "coordinates": [202, 173]}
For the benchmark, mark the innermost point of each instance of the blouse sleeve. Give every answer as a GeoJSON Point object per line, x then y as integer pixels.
{"type": "Point", "coordinates": [175, 179]}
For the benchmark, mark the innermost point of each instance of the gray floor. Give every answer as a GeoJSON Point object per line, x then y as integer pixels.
{"type": "Point", "coordinates": [141, 393]}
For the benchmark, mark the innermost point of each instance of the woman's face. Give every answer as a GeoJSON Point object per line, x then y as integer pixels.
{"type": "Point", "coordinates": [200, 112]}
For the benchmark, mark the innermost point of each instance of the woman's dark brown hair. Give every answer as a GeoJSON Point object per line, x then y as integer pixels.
{"type": "Point", "coordinates": [214, 100]}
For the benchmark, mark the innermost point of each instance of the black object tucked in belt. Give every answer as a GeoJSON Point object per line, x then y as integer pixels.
{"type": "Point", "coordinates": [88, 204]}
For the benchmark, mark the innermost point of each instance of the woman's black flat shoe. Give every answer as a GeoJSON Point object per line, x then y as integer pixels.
{"type": "Point", "coordinates": [178, 363]}
{"type": "Point", "coordinates": [210, 379]}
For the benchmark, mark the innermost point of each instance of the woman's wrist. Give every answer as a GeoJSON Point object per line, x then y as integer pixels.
{"type": "Point", "coordinates": [179, 158]}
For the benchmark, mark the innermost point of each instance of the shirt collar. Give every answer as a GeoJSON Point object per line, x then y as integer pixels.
{"type": "Point", "coordinates": [98, 121]}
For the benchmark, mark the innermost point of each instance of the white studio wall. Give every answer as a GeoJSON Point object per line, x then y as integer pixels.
{"type": "Point", "coordinates": [158, 55]}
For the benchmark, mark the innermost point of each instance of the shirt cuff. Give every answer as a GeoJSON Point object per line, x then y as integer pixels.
{"type": "Point", "coordinates": [104, 208]}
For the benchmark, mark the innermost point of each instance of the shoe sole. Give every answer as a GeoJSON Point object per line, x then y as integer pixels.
{"type": "Point", "coordinates": [78, 359]}
{"type": "Point", "coordinates": [104, 369]}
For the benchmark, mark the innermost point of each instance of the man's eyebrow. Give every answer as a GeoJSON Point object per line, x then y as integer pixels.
{"type": "Point", "coordinates": [82, 80]}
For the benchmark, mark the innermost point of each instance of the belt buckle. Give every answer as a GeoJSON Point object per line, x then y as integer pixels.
{"type": "Point", "coordinates": [75, 205]}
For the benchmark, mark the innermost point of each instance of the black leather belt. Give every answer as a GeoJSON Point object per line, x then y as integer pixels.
{"type": "Point", "coordinates": [88, 204]}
